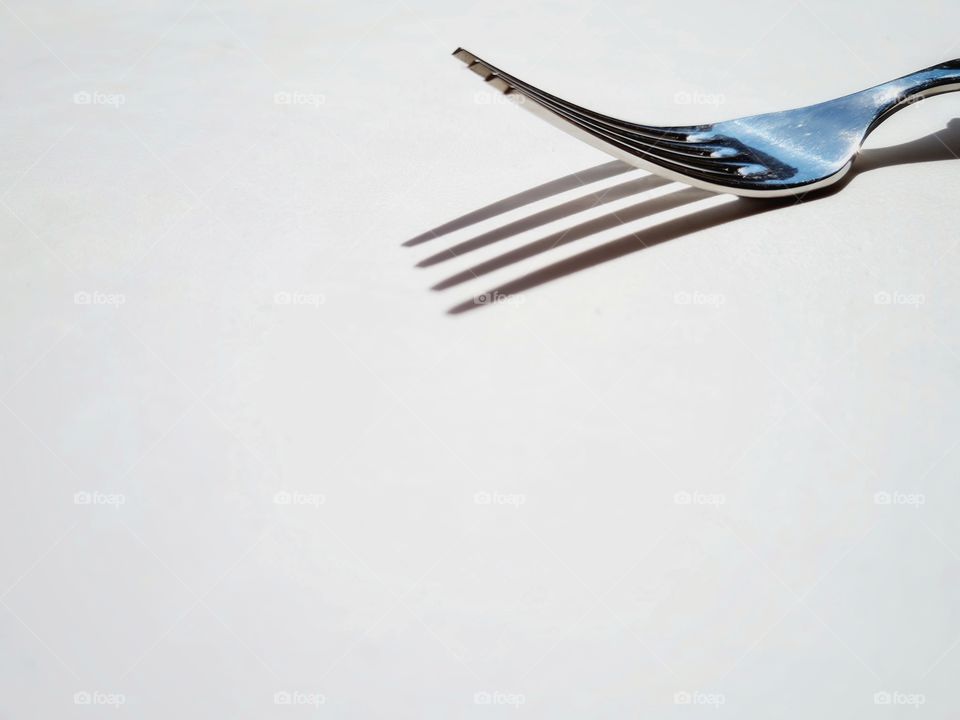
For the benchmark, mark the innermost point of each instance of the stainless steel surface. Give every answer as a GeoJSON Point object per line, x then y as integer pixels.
{"type": "Point", "coordinates": [769, 155]}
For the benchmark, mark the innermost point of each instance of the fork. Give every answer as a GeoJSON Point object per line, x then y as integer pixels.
{"type": "Point", "coordinates": [770, 155]}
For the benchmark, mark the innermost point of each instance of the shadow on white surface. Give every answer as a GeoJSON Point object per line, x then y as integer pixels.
{"type": "Point", "coordinates": [942, 145]}
{"type": "Point", "coordinates": [527, 197]}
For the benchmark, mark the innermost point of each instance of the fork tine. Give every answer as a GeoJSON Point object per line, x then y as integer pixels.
{"type": "Point", "coordinates": [671, 148]}
{"type": "Point", "coordinates": [665, 148]}
{"type": "Point", "coordinates": [485, 69]}
{"type": "Point", "coordinates": [698, 158]}
{"type": "Point", "coordinates": [480, 69]}
{"type": "Point", "coordinates": [464, 55]}
{"type": "Point", "coordinates": [587, 119]}
{"type": "Point", "coordinates": [590, 121]}
{"type": "Point", "coordinates": [500, 84]}
{"type": "Point", "coordinates": [660, 152]}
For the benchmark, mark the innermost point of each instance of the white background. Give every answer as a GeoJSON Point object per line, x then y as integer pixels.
{"type": "Point", "coordinates": [749, 367]}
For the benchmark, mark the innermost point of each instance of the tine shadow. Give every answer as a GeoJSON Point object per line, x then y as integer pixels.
{"type": "Point", "coordinates": [941, 145]}
{"type": "Point", "coordinates": [541, 192]}
{"type": "Point", "coordinates": [687, 225]}
{"type": "Point", "coordinates": [571, 207]}
{"type": "Point", "coordinates": [578, 232]}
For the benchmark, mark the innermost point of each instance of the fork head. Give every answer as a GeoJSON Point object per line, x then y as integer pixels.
{"type": "Point", "coordinates": [774, 154]}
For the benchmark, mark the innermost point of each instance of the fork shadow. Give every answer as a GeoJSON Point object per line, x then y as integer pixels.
{"type": "Point", "coordinates": [941, 145]}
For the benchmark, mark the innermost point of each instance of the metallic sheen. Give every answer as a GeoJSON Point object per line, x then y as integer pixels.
{"type": "Point", "coordinates": [769, 155]}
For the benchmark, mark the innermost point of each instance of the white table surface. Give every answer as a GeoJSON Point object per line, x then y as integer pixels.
{"type": "Point", "coordinates": [491, 502]}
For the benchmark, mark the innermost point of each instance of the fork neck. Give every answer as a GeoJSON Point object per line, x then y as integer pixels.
{"type": "Point", "coordinates": [909, 89]}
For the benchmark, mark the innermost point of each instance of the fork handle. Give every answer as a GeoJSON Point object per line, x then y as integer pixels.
{"type": "Point", "coordinates": [902, 92]}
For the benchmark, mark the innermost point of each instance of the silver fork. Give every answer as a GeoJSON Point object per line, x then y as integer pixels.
{"type": "Point", "coordinates": [770, 155]}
